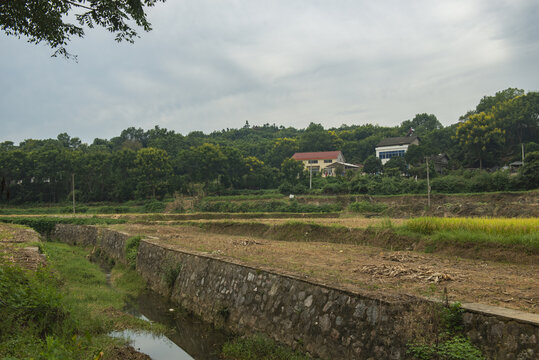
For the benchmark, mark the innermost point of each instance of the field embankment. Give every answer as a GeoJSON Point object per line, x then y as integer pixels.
{"type": "Point", "coordinates": [517, 204]}
{"type": "Point", "coordinates": [509, 240]}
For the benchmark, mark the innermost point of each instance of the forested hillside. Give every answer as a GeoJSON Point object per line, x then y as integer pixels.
{"type": "Point", "coordinates": [141, 164]}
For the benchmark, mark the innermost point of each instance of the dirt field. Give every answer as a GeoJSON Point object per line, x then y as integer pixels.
{"type": "Point", "coordinates": [18, 245]}
{"type": "Point", "coordinates": [364, 269]}
{"type": "Point", "coordinates": [351, 222]}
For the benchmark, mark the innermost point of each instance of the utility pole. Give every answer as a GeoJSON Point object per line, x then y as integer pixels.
{"type": "Point", "coordinates": [428, 182]}
{"type": "Point", "coordinates": [73, 190]}
{"type": "Point", "coordinates": [310, 177]}
{"type": "Point", "coordinates": [522, 145]}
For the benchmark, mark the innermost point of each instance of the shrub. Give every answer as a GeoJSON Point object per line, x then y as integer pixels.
{"type": "Point", "coordinates": [366, 207]}
{"type": "Point", "coordinates": [29, 298]}
{"type": "Point", "coordinates": [154, 206]}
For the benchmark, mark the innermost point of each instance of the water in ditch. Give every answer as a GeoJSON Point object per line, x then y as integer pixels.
{"type": "Point", "coordinates": [190, 338]}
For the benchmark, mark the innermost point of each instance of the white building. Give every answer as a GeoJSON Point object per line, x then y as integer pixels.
{"type": "Point", "coordinates": [392, 147]}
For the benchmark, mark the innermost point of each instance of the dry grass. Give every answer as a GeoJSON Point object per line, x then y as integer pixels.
{"type": "Point", "coordinates": [363, 269]}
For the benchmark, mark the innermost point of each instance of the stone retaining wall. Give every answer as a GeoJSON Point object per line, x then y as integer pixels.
{"type": "Point", "coordinates": [327, 322]}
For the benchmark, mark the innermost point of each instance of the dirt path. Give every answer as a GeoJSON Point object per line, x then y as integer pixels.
{"type": "Point", "coordinates": [18, 245]}
{"type": "Point", "coordinates": [363, 268]}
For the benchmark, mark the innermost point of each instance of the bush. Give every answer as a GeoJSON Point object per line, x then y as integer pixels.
{"type": "Point", "coordinates": [154, 206]}
{"type": "Point", "coordinates": [29, 298]}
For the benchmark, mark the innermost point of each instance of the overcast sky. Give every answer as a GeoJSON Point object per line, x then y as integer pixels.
{"type": "Point", "coordinates": [209, 65]}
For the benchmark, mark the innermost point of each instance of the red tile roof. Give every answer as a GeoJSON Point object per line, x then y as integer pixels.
{"type": "Point", "coordinates": [320, 155]}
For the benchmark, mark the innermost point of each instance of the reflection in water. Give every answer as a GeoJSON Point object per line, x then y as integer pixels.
{"type": "Point", "coordinates": [158, 347]}
{"type": "Point", "coordinates": [195, 337]}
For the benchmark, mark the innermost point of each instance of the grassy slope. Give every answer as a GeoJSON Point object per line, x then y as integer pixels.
{"type": "Point", "coordinates": [88, 308]}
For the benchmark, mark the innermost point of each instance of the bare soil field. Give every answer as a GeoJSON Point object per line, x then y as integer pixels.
{"type": "Point", "coordinates": [363, 269]}
{"type": "Point", "coordinates": [17, 245]}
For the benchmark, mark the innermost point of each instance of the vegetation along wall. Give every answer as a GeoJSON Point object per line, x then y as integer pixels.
{"type": "Point", "coordinates": [327, 322]}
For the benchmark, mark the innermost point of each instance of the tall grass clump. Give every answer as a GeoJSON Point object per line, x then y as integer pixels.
{"type": "Point", "coordinates": [131, 250]}
{"type": "Point", "coordinates": [520, 226]}
{"type": "Point", "coordinates": [519, 231]}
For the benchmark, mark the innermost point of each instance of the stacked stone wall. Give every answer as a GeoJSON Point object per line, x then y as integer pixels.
{"type": "Point", "coordinates": [328, 322]}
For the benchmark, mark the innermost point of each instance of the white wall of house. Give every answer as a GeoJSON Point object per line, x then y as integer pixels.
{"type": "Point", "coordinates": [393, 148]}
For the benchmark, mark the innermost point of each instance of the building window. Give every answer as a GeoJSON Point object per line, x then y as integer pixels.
{"type": "Point", "coordinates": [391, 154]}
{"type": "Point", "coordinates": [313, 161]}
{"type": "Point", "coordinates": [328, 161]}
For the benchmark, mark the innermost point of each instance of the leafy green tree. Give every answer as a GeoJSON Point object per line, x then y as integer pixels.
{"type": "Point", "coordinates": [315, 138]}
{"type": "Point", "coordinates": [372, 165]}
{"type": "Point", "coordinates": [422, 124]}
{"type": "Point", "coordinates": [395, 166]}
{"type": "Point", "coordinates": [530, 170]}
{"type": "Point", "coordinates": [49, 20]}
{"type": "Point", "coordinates": [202, 163]}
{"type": "Point", "coordinates": [292, 171]}
{"type": "Point", "coordinates": [153, 167]}
{"type": "Point", "coordinates": [519, 117]}
{"type": "Point", "coordinates": [479, 135]}
{"type": "Point", "coordinates": [488, 102]}
{"type": "Point", "coordinates": [283, 148]}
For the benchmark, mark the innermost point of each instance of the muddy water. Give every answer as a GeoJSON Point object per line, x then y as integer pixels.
{"type": "Point", "coordinates": [190, 338]}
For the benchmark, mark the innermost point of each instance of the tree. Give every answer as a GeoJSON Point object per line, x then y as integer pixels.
{"type": "Point", "coordinates": [47, 20]}
{"type": "Point", "coordinates": [422, 124]}
{"type": "Point", "coordinates": [153, 167]}
{"type": "Point", "coordinates": [530, 171]}
{"type": "Point", "coordinates": [282, 149]}
{"type": "Point", "coordinates": [488, 102]}
{"type": "Point", "coordinates": [479, 135]}
{"type": "Point", "coordinates": [372, 165]}
{"type": "Point", "coordinates": [292, 171]}
{"type": "Point", "coordinates": [395, 166]}
{"type": "Point", "coordinates": [315, 138]}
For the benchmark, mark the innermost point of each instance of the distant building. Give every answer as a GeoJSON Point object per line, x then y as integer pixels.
{"type": "Point", "coordinates": [396, 146]}
{"type": "Point", "coordinates": [320, 161]}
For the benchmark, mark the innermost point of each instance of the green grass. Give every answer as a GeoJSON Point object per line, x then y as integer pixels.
{"type": "Point", "coordinates": [66, 310]}
{"type": "Point", "coordinates": [504, 231]}
{"type": "Point", "coordinates": [259, 347]}
{"type": "Point", "coordinates": [367, 207]}
{"type": "Point", "coordinates": [45, 225]}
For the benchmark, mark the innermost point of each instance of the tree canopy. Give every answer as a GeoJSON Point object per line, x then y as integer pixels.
{"type": "Point", "coordinates": [48, 20]}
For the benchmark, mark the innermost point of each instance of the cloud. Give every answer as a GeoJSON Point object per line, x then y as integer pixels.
{"type": "Point", "coordinates": [210, 65]}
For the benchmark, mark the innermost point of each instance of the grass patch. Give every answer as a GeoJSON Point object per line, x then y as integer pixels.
{"type": "Point", "coordinates": [259, 347]}
{"type": "Point", "coordinates": [367, 207]}
{"type": "Point", "coordinates": [283, 206]}
{"type": "Point", "coordinates": [502, 231]}
{"type": "Point", "coordinates": [131, 250]}
{"type": "Point", "coordinates": [66, 310]}
{"type": "Point", "coordinates": [45, 225]}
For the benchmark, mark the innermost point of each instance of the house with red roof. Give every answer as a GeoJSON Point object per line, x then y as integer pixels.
{"type": "Point", "coordinates": [321, 161]}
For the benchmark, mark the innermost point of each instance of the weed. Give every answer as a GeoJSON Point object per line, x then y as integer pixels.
{"type": "Point", "coordinates": [171, 271]}
{"type": "Point", "coordinates": [259, 347]}
{"type": "Point", "coordinates": [367, 207]}
{"type": "Point", "coordinates": [131, 250]}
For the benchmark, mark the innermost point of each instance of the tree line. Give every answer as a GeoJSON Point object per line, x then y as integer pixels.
{"type": "Point", "coordinates": [140, 164]}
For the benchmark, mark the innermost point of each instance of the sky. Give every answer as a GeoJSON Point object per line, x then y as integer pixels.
{"type": "Point", "coordinates": [212, 65]}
